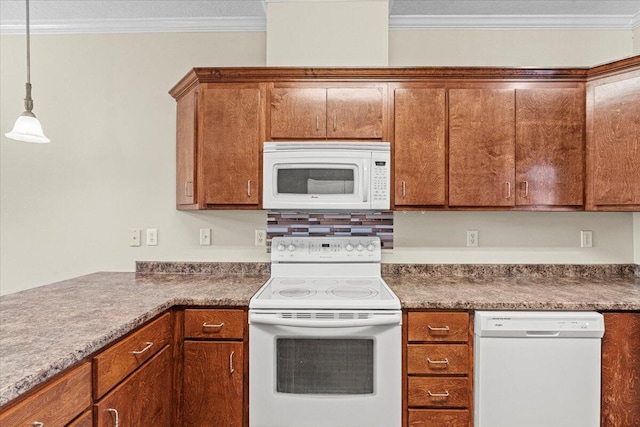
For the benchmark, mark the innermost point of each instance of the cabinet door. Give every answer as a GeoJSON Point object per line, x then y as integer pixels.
{"type": "Point", "coordinates": [213, 383]}
{"type": "Point", "coordinates": [621, 370]}
{"type": "Point", "coordinates": [298, 112]}
{"type": "Point", "coordinates": [143, 399]}
{"type": "Point", "coordinates": [354, 113]}
{"type": "Point", "coordinates": [419, 134]}
{"type": "Point", "coordinates": [616, 142]}
{"type": "Point", "coordinates": [231, 139]}
{"type": "Point", "coordinates": [186, 138]}
{"type": "Point", "coordinates": [550, 146]}
{"type": "Point", "coordinates": [481, 147]}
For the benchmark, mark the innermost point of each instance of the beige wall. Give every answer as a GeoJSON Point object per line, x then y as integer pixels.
{"type": "Point", "coordinates": [636, 237]}
{"type": "Point", "coordinates": [66, 208]}
{"type": "Point", "coordinates": [328, 33]}
{"type": "Point", "coordinates": [507, 47]}
{"type": "Point", "coordinates": [636, 41]}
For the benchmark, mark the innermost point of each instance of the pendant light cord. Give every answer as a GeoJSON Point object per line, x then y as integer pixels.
{"type": "Point", "coordinates": [28, 101]}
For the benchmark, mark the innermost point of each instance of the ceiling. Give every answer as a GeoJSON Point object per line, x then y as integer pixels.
{"type": "Point", "coordinates": [51, 16]}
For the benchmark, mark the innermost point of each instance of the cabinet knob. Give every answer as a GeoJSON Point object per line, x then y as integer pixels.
{"type": "Point", "coordinates": [526, 188]}
{"type": "Point", "coordinates": [508, 184]}
{"type": "Point", "coordinates": [116, 416]}
{"type": "Point", "coordinates": [231, 369]}
{"type": "Point", "coordinates": [249, 188]}
{"type": "Point", "coordinates": [37, 424]}
{"type": "Point", "coordinates": [404, 189]}
{"type": "Point", "coordinates": [439, 395]}
{"type": "Point", "coordinates": [147, 347]}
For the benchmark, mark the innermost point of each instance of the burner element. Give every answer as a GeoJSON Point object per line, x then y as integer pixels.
{"type": "Point", "coordinates": [297, 292]}
{"type": "Point", "coordinates": [353, 292]}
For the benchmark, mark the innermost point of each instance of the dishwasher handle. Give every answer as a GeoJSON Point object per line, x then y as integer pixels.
{"type": "Point", "coordinates": [543, 334]}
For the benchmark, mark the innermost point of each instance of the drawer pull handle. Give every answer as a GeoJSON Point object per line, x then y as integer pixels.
{"type": "Point", "coordinates": [231, 370]}
{"type": "Point", "coordinates": [37, 424]}
{"type": "Point", "coordinates": [437, 329]}
{"type": "Point", "coordinates": [116, 416]}
{"type": "Point", "coordinates": [439, 395]}
{"type": "Point", "coordinates": [146, 347]}
{"type": "Point", "coordinates": [438, 362]}
{"type": "Point", "coordinates": [211, 325]}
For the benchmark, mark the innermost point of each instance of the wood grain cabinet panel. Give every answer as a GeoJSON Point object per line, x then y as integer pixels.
{"type": "Point", "coordinates": [143, 399]}
{"type": "Point", "coordinates": [213, 384]}
{"type": "Point", "coordinates": [214, 324]}
{"type": "Point", "coordinates": [438, 359]}
{"type": "Point", "coordinates": [230, 129]}
{"type": "Point", "coordinates": [481, 147]}
{"type": "Point", "coordinates": [298, 112]}
{"type": "Point", "coordinates": [354, 113]}
{"type": "Point", "coordinates": [419, 146]}
{"type": "Point", "coordinates": [550, 127]}
{"type": "Point", "coordinates": [438, 326]}
{"type": "Point", "coordinates": [186, 149]}
{"type": "Point", "coordinates": [55, 405]}
{"type": "Point", "coordinates": [615, 142]}
{"type": "Point", "coordinates": [84, 420]}
{"type": "Point", "coordinates": [114, 364]}
{"type": "Point", "coordinates": [439, 418]}
{"type": "Point", "coordinates": [621, 370]}
{"type": "Point", "coordinates": [438, 392]}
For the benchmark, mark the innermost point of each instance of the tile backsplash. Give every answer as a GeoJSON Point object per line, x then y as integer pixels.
{"type": "Point", "coordinates": [326, 223]}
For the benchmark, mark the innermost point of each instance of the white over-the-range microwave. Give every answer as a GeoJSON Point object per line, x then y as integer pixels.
{"type": "Point", "coordinates": [326, 175]}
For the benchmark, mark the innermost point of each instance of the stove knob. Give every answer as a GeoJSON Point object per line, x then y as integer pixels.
{"type": "Point", "coordinates": [281, 247]}
{"type": "Point", "coordinates": [349, 247]}
{"type": "Point", "coordinates": [370, 247]}
{"type": "Point", "coordinates": [291, 247]}
{"type": "Point", "coordinates": [359, 247]}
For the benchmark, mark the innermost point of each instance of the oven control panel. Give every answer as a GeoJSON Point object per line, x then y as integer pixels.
{"type": "Point", "coordinates": [326, 249]}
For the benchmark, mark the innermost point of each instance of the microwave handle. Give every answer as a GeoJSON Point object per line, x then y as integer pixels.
{"type": "Point", "coordinates": [268, 319]}
{"type": "Point", "coordinates": [365, 187]}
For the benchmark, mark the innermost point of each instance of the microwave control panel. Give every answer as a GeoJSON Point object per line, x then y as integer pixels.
{"type": "Point", "coordinates": [380, 181]}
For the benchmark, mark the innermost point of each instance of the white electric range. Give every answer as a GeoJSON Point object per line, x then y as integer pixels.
{"type": "Point", "coordinates": [325, 337]}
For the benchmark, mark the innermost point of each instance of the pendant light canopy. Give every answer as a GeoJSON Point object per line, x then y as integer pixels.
{"type": "Point", "coordinates": [27, 128]}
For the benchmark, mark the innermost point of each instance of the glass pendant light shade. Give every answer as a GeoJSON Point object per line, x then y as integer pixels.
{"type": "Point", "coordinates": [28, 129]}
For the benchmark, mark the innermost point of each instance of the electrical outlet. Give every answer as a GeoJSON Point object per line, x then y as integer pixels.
{"type": "Point", "coordinates": [205, 237]}
{"type": "Point", "coordinates": [134, 237]}
{"type": "Point", "coordinates": [261, 238]}
{"type": "Point", "coordinates": [472, 238]}
{"type": "Point", "coordinates": [152, 237]}
{"type": "Point", "coordinates": [586, 239]}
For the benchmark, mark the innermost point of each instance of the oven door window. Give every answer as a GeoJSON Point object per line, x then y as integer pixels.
{"type": "Point", "coordinates": [325, 366]}
{"type": "Point", "coordinates": [313, 179]}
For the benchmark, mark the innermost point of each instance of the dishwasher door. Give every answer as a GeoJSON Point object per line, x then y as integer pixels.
{"type": "Point", "coordinates": [537, 369]}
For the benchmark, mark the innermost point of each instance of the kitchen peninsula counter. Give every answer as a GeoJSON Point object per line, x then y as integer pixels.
{"type": "Point", "coordinates": [45, 330]}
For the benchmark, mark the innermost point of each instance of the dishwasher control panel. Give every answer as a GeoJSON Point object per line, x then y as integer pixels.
{"type": "Point", "coordinates": [539, 324]}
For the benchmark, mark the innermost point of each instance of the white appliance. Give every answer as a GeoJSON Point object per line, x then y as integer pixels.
{"type": "Point", "coordinates": [327, 175]}
{"type": "Point", "coordinates": [325, 337]}
{"type": "Point", "coordinates": [537, 369]}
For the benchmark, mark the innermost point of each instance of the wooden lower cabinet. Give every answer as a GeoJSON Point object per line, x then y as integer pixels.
{"type": "Point", "coordinates": [439, 418]}
{"type": "Point", "coordinates": [621, 370]}
{"type": "Point", "coordinates": [143, 399]}
{"type": "Point", "coordinates": [84, 420]}
{"type": "Point", "coordinates": [213, 384]}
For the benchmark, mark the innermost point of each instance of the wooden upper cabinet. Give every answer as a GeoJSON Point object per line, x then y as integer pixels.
{"type": "Point", "coordinates": [298, 112]}
{"type": "Point", "coordinates": [481, 147]}
{"type": "Point", "coordinates": [231, 140]}
{"type": "Point", "coordinates": [550, 126]}
{"type": "Point", "coordinates": [186, 143]}
{"type": "Point", "coordinates": [354, 113]}
{"type": "Point", "coordinates": [614, 142]}
{"type": "Point", "coordinates": [308, 112]}
{"type": "Point", "coordinates": [419, 146]}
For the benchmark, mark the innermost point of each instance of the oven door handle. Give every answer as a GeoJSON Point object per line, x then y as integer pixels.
{"type": "Point", "coordinates": [271, 319]}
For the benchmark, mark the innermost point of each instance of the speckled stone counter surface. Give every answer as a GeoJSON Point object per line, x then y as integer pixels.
{"type": "Point", "coordinates": [46, 330]}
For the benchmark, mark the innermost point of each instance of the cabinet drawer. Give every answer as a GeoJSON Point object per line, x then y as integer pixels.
{"type": "Point", "coordinates": [438, 327]}
{"type": "Point", "coordinates": [114, 364]}
{"type": "Point", "coordinates": [214, 324]}
{"type": "Point", "coordinates": [439, 392]}
{"type": "Point", "coordinates": [438, 418]}
{"type": "Point", "coordinates": [84, 420]}
{"type": "Point", "coordinates": [438, 359]}
{"type": "Point", "coordinates": [56, 404]}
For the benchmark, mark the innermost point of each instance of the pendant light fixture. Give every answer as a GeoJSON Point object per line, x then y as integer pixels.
{"type": "Point", "coordinates": [27, 128]}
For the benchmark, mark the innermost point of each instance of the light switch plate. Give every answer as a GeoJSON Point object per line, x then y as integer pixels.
{"type": "Point", "coordinates": [205, 237]}
{"type": "Point", "coordinates": [152, 237]}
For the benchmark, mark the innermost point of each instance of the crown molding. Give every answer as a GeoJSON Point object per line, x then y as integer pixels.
{"type": "Point", "coordinates": [163, 25]}
{"type": "Point", "coordinates": [510, 22]}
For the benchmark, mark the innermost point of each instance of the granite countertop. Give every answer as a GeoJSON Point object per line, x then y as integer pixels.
{"type": "Point", "coordinates": [48, 329]}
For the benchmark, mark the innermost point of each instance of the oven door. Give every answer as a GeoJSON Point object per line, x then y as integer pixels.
{"type": "Point", "coordinates": [312, 180]}
{"type": "Point", "coordinates": [325, 369]}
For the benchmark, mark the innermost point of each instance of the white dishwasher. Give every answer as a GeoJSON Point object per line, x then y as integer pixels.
{"type": "Point", "coordinates": [537, 369]}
